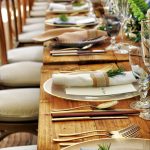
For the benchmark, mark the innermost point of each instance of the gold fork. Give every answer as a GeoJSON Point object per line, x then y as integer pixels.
{"type": "Point", "coordinates": [130, 131]}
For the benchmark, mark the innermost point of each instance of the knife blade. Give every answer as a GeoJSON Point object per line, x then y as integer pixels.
{"type": "Point", "coordinates": [88, 118]}
{"type": "Point", "coordinates": [76, 51]}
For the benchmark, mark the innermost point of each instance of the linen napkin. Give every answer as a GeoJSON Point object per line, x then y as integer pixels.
{"type": "Point", "coordinates": [78, 36]}
{"type": "Point", "coordinates": [75, 20]}
{"type": "Point", "coordinates": [64, 7]}
{"type": "Point", "coordinates": [92, 79]}
{"type": "Point", "coordinates": [59, 7]}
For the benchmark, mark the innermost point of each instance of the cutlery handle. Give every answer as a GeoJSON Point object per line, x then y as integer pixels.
{"type": "Point", "coordinates": [77, 138]}
{"type": "Point", "coordinates": [94, 113]}
{"type": "Point", "coordinates": [80, 133]}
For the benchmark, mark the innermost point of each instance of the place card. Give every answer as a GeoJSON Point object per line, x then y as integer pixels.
{"type": "Point", "coordinates": [100, 91]}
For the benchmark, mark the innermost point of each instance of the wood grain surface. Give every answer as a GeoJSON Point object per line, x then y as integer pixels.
{"type": "Point", "coordinates": [47, 130]}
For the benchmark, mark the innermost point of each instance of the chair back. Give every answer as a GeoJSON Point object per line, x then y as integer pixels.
{"type": "Point", "coordinates": [3, 50]}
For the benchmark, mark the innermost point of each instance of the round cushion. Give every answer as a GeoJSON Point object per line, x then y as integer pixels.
{"type": "Point", "coordinates": [19, 104]}
{"type": "Point", "coordinates": [38, 13]}
{"type": "Point", "coordinates": [40, 7]}
{"type": "Point", "coordinates": [35, 20]}
{"type": "Point", "coordinates": [20, 74]}
{"type": "Point", "coordinates": [28, 36]}
{"type": "Point", "coordinates": [30, 147]}
{"type": "Point", "coordinates": [40, 4]}
{"type": "Point", "coordinates": [33, 27]}
{"type": "Point", "coordinates": [30, 53]}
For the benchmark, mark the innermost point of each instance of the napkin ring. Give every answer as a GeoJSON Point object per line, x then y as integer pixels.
{"type": "Point", "coordinates": [100, 79]}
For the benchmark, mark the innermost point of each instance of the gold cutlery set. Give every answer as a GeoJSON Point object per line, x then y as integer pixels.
{"type": "Point", "coordinates": [66, 139]}
{"type": "Point", "coordinates": [92, 112]}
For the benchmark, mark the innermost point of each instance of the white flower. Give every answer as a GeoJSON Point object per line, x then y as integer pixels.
{"type": "Point", "coordinates": [131, 35]}
{"type": "Point", "coordinates": [148, 14]}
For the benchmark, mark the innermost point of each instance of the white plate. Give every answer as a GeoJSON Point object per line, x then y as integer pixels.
{"type": "Point", "coordinates": [78, 9]}
{"type": "Point", "coordinates": [116, 144]}
{"type": "Point", "coordinates": [73, 21]}
{"type": "Point", "coordinates": [59, 91]}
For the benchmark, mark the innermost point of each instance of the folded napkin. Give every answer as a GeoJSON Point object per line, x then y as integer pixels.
{"type": "Point", "coordinates": [59, 7]}
{"type": "Point", "coordinates": [92, 79]}
{"type": "Point", "coordinates": [78, 36]}
{"type": "Point", "coordinates": [75, 20]}
{"type": "Point", "coordinates": [64, 7]}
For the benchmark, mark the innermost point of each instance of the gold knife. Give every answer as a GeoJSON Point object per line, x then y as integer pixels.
{"type": "Point", "coordinates": [88, 118]}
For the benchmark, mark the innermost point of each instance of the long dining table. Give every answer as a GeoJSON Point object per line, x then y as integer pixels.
{"type": "Point", "coordinates": [49, 129]}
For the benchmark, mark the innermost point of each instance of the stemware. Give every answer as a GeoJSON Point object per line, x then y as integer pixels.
{"type": "Point", "coordinates": [145, 36]}
{"type": "Point", "coordinates": [112, 28]}
{"type": "Point", "coordinates": [112, 21]}
{"type": "Point", "coordinates": [123, 6]}
{"type": "Point", "coordinates": [141, 74]}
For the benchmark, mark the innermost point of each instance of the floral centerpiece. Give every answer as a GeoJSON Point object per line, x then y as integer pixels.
{"type": "Point", "coordinates": [138, 10]}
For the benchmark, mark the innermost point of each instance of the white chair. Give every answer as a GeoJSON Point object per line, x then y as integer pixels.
{"type": "Point", "coordinates": [29, 53]}
{"type": "Point", "coordinates": [30, 147]}
{"type": "Point", "coordinates": [19, 94]}
{"type": "Point", "coordinates": [23, 34]}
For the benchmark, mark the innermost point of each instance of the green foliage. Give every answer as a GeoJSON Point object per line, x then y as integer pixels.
{"type": "Point", "coordinates": [102, 28]}
{"type": "Point", "coordinates": [63, 17]}
{"type": "Point", "coordinates": [104, 147]}
{"type": "Point", "coordinates": [138, 9]}
{"type": "Point", "coordinates": [78, 3]}
{"type": "Point", "coordinates": [114, 72]}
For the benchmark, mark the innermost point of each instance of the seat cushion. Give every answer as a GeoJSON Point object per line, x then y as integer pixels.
{"type": "Point", "coordinates": [35, 20]}
{"type": "Point", "coordinates": [27, 37]}
{"type": "Point", "coordinates": [40, 3]}
{"type": "Point", "coordinates": [19, 104]}
{"type": "Point", "coordinates": [30, 53]}
{"type": "Point", "coordinates": [43, 7]}
{"type": "Point", "coordinates": [41, 0]}
{"type": "Point", "coordinates": [20, 74]}
{"type": "Point", "coordinates": [30, 147]}
{"type": "Point", "coordinates": [34, 27]}
{"type": "Point", "coordinates": [37, 13]}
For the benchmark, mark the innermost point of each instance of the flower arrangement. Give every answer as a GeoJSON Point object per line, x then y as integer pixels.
{"type": "Point", "coordinates": [138, 10]}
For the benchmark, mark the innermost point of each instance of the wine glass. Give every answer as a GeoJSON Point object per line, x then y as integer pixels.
{"type": "Point", "coordinates": [112, 23]}
{"type": "Point", "coordinates": [141, 74]}
{"type": "Point", "coordinates": [145, 36]}
{"type": "Point", "coordinates": [123, 6]}
{"type": "Point", "coordinates": [112, 28]}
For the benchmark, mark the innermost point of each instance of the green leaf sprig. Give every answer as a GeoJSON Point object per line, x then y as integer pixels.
{"type": "Point", "coordinates": [78, 3]}
{"type": "Point", "coordinates": [63, 17]}
{"type": "Point", "coordinates": [114, 72]}
{"type": "Point", "coordinates": [104, 147]}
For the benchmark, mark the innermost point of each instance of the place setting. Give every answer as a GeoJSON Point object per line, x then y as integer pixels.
{"type": "Point", "coordinates": [73, 41]}
{"type": "Point", "coordinates": [98, 85]}
{"type": "Point", "coordinates": [64, 20]}
{"type": "Point", "coordinates": [67, 7]}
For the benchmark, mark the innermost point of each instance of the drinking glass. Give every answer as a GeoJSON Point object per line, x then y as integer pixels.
{"type": "Point", "coordinates": [112, 28]}
{"type": "Point", "coordinates": [141, 74]}
{"type": "Point", "coordinates": [123, 6]}
{"type": "Point", "coordinates": [145, 36]}
{"type": "Point", "coordinates": [112, 21]}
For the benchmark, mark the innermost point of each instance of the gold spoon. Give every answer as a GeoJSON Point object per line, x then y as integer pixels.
{"type": "Point", "coordinates": [100, 106]}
